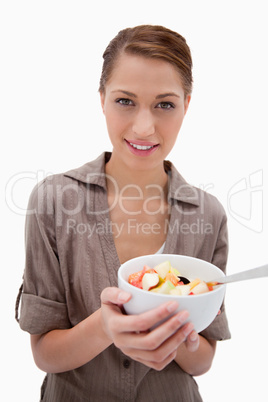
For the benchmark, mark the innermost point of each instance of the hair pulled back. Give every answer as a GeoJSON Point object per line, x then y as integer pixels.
{"type": "Point", "coordinates": [152, 41]}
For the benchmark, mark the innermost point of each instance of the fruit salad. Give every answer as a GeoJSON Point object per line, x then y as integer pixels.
{"type": "Point", "coordinates": [165, 279]}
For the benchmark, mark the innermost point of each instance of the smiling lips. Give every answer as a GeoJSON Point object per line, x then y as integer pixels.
{"type": "Point", "coordinates": [141, 148]}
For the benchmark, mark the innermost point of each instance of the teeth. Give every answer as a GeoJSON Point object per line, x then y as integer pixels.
{"type": "Point", "coordinates": [141, 147]}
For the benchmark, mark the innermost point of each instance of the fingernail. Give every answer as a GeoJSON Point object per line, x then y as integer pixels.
{"type": "Point", "coordinates": [122, 297]}
{"type": "Point", "coordinates": [182, 316]}
{"type": "Point", "coordinates": [171, 307]}
{"type": "Point", "coordinates": [193, 336]}
{"type": "Point", "coordinates": [188, 329]}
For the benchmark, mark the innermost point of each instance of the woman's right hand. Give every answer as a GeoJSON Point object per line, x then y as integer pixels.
{"type": "Point", "coordinates": [132, 335]}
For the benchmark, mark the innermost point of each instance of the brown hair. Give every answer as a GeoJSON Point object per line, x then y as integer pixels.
{"type": "Point", "coordinates": [152, 41]}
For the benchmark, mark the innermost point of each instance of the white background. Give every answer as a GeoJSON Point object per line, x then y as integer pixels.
{"type": "Point", "coordinates": [51, 121]}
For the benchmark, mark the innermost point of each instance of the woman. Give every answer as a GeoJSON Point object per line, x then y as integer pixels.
{"type": "Point", "coordinates": [83, 224]}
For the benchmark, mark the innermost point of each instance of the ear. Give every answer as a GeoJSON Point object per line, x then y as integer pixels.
{"type": "Point", "coordinates": [102, 99]}
{"type": "Point", "coordinates": [186, 103]}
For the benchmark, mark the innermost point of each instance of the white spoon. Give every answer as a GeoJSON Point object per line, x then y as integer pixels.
{"type": "Point", "coordinates": [259, 272]}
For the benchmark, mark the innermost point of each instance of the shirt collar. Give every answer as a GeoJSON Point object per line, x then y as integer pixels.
{"type": "Point", "coordinates": [94, 173]}
{"type": "Point", "coordinates": [179, 189]}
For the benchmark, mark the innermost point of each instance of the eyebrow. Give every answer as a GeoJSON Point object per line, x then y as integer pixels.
{"type": "Point", "coordinates": [160, 96]}
{"type": "Point", "coordinates": [166, 95]}
{"type": "Point", "coordinates": [126, 93]}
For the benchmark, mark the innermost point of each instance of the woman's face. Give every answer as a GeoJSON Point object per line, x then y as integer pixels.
{"type": "Point", "coordinates": [144, 105]}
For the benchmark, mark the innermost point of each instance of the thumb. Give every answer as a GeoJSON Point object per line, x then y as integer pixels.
{"type": "Point", "coordinates": [113, 295]}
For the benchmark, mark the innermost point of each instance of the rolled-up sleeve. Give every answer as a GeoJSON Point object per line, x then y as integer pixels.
{"type": "Point", "coordinates": [40, 315]}
{"type": "Point", "coordinates": [43, 303]}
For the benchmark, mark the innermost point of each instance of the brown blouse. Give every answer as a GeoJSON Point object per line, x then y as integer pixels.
{"type": "Point", "coordinates": [71, 257]}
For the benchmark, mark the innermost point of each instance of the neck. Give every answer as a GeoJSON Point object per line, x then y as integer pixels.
{"type": "Point", "coordinates": [132, 180]}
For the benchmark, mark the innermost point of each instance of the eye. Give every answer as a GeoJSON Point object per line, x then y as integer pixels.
{"type": "Point", "coordinates": [165, 105]}
{"type": "Point", "coordinates": [124, 102]}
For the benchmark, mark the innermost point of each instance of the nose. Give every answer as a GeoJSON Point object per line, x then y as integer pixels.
{"type": "Point", "coordinates": [143, 124]}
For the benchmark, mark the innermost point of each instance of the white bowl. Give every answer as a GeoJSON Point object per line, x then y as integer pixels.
{"type": "Point", "coordinates": [203, 308]}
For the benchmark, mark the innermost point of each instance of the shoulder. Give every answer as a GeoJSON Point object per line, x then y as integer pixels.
{"type": "Point", "coordinates": [192, 198]}
{"type": "Point", "coordinates": [56, 187]}
{"type": "Point", "coordinates": [211, 203]}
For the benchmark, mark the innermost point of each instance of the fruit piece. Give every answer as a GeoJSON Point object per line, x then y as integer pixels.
{"type": "Point", "coordinates": [136, 278]}
{"type": "Point", "coordinates": [149, 281]}
{"type": "Point", "coordinates": [194, 283]}
{"type": "Point", "coordinates": [200, 288]}
{"type": "Point", "coordinates": [212, 284]}
{"type": "Point", "coordinates": [181, 290]}
{"type": "Point", "coordinates": [175, 292]}
{"type": "Point", "coordinates": [148, 269]}
{"type": "Point", "coordinates": [175, 271]}
{"type": "Point", "coordinates": [164, 288]}
{"type": "Point", "coordinates": [162, 269]}
{"type": "Point", "coordinates": [185, 290]}
{"type": "Point", "coordinates": [184, 280]}
{"type": "Point", "coordinates": [172, 278]}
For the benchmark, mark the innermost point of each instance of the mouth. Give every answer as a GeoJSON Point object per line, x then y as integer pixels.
{"type": "Point", "coordinates": [141, 148]}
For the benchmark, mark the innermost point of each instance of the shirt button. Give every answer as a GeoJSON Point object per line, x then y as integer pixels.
{"type": "Point", "coordinates": [126, 363]}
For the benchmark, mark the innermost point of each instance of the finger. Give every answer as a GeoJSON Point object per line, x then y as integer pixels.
{"type": "Point", "coordinates": [113, 295]}
{"type": "Point", "coordinates": [162, 341]}
{"type": "Point", "coordinates": [164, 332]}
{"type": "Point", "coordinates": [162, 336]}
{"type": "Point", "coordinates": [163, 355]}
{"type": "Point", "coordinates": [192, 341]}
{"type": "Point", "coordinates": [127, 327]}
{"type": "Point", "coordinates": [158, 365]}
{"type": "Point", "coordinates": [144, 321]}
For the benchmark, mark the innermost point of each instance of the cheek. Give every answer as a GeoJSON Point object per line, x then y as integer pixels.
{"type": "Point", "coordinates": [171, 126]}
{"type": "Point", "coordinates": [116, 123]}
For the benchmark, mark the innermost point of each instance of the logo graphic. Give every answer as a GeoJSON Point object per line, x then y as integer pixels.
{"type": "Point", "coordinates": [245, 201]}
